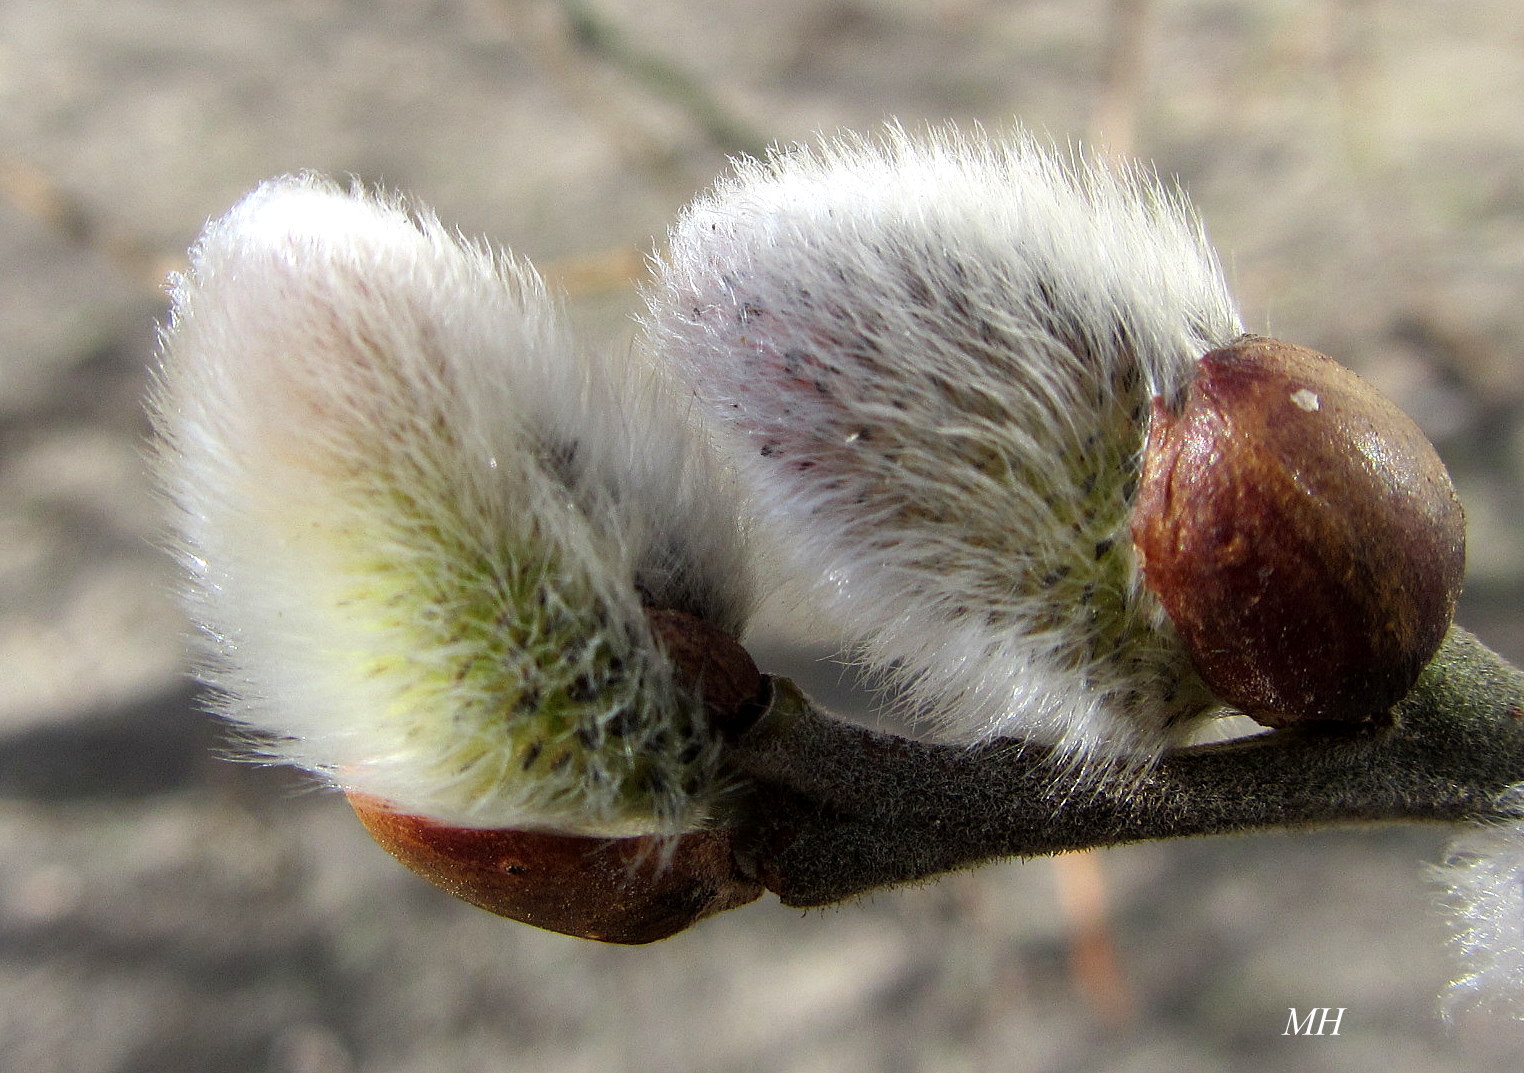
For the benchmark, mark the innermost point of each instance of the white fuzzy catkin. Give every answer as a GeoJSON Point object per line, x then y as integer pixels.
{"type": "Point", "coordinates": [1484, 875]}
{"type": "Point", "coordinates": [934, 357]}
{"type": "Point", "coordinates": [420, 527]}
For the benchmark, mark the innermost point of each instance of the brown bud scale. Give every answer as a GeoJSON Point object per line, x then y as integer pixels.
{"type": "Point", "coordinates": [616, 890]}
{"type": "Point", "coordinates": [1301, 533]}
{"type": "Point", "coordinates": [714, 665]}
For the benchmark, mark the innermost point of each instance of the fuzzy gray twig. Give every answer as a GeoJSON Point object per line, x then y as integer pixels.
{"type": "Point", "coordinates": [837, 810]}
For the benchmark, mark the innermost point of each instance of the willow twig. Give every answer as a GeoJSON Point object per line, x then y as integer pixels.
{"type": "Point", "coordinates": [836, 810]}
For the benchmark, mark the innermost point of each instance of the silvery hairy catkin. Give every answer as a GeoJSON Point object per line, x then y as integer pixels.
{"type": "Point", "coordinates": [1483, 872]}
{"type": "Point", "coordinates": [430, 544]}
{"type": "Point", "coordinates": [935, 359]}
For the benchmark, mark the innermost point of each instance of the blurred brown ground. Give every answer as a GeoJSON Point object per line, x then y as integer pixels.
{"type": "Point", "coordinates": [1360, 164]}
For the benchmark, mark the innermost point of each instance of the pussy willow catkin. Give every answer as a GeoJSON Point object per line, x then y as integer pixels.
{"type": "Point", "coordinates": [422, 530]}
{"type": "Point", "coordinates": [934, 357]}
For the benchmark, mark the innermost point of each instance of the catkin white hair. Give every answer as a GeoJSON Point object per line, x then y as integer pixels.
{"type": "Point", "coordinates": [934, 357]}
{"type": "Point", "coordinates": [421, 528]}
{"type": "Point", "coordinates": [1484, 876]}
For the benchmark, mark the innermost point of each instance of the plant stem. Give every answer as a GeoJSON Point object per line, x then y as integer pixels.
{"type": "Point", "coordinates": [835, 810]}
{"type": "Point", "coordinates": [663, 78]}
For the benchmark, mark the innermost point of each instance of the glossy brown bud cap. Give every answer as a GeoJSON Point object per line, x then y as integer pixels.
{"type": "Point", "coordinates": [616, 890]}
{"type": "Point", "coordinates": [1301, 533]}
{"type": "Point", "coordinates": [710, 663]}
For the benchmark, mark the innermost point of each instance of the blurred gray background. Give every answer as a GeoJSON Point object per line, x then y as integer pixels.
{"type": "Point", "coordinates": [1360, 164]}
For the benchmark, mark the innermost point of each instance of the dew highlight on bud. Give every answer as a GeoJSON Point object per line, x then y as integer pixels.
{"type": "Point", "coordinates": [1306, 400]}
